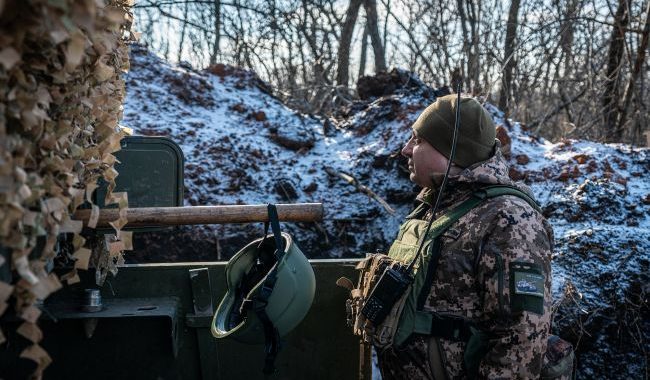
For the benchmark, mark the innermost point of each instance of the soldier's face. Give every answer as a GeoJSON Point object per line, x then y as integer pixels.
{"type": "Point", "coordinates": [424, 161]}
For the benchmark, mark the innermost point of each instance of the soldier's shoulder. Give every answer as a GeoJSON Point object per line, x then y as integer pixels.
{"type": "Point", "coordinates": [512, 210]}
{"type": "Point", "coordinates": [510, 205]}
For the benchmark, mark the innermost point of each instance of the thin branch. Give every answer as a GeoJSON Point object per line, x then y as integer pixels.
{"type": "Point", "coordinates": [361, 188]}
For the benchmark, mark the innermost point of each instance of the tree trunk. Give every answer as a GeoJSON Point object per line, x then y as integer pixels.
{"type": "Point", "coordinates": [182, 38]}
{"type": "Point", "coordinates": [463, 23]}
{"type": "Point", "coordinates": [508, 57]}
{"type": "Point", "coordinates": [566, 43]}
{"type": "Point", "coordinates": [612, 77]}
{"type": "Point", "coordinates": [566, 35]}
{"type": "Point", "coordinates": [473, 64]}
{"type": "Point", "coordinates": [373, 29]}
{"type": "Point", "coordinates": [364, 49]}
{"type": "Point", "coordinates": [385, 36]}
{"type": "Point", "coordinates": [634, 75]}
{"type": "Point", "coordinates": [346, 40]}
{"type": "Point", "coordinates": [217, 31]}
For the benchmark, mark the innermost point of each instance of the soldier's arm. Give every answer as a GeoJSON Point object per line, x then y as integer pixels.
{"type": "Point", "coordinates": [514, 275]}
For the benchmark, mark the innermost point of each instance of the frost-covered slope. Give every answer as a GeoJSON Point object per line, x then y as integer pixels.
{"type": "Point", "coordinates": [244, 146]}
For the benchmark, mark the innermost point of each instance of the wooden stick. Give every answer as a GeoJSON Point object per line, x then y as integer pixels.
{"type": "Point", "coordinates": [174, 216]}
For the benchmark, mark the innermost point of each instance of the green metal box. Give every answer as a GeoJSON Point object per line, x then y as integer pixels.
{"type": "Point", "coordinates": [151, 172]}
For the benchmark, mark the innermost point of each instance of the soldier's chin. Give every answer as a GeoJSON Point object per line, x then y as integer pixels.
{"type": "Point", "coordinates": [418, 181]}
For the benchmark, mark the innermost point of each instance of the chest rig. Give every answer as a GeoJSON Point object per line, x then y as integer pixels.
{"type": "Point", "coordinates": [402, 305]}
{"type": "Point", "coordinates": [413, 318]}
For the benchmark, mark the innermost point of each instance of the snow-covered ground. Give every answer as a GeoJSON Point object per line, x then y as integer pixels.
{"type": "Point", "coordinates": [244, 146]}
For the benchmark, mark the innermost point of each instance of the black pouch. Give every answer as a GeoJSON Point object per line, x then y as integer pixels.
{"type": "Point", "coordinates": [526, 287]}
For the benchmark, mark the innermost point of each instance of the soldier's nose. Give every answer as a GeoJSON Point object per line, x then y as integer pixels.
{"type": "Point", "coordinates": [406, 150]}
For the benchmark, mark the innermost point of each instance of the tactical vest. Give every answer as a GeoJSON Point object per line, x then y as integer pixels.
{"type": "Point", "coordinates": [408, 316]}
{"type": "Point", "coordinates": [413, 319]}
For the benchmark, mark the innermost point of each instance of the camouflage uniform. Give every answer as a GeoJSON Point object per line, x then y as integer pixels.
{"type": "Point", "coordinates": [466, 282]}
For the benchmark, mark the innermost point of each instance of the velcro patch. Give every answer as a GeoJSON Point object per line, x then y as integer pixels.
{"type": "Point", "coordinates": [527, 282]}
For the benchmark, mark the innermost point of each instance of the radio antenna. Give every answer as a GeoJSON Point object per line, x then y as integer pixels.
{"type": "Point", "coordinates": [444, 179]}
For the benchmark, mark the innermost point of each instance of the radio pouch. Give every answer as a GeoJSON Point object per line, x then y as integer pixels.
{"type": "Point", "coordinates": [370, 270]}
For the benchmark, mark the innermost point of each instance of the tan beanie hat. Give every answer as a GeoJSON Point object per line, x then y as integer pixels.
{"type": "Point", "coordinates": [476, 133]}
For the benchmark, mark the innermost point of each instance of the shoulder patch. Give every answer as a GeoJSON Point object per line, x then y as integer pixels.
{"type": "Point", "coordinates": [526, 287]}
{"type": "Point", "coordinates": [529, 283]}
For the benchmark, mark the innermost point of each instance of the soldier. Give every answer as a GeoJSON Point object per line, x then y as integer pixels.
{"type": "Point", "coordinates": [490, 286]}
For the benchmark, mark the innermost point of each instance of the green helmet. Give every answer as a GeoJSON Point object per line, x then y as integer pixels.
{"type": "Point", "coordinates": [265, 284]}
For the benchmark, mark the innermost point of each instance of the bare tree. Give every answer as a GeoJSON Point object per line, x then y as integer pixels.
{"type": "Point", "coordinates": [183, 29]}
{"type": "Point", "coordinates": [636, 72]}
{"type": "Point", "coordinates": [364, 50]}
{"type": "Point", "coordinates": [216, 12]}
{"type": "Point", "coordinates": [373, 29]}
{"type": "Point", "coordinates": [548, 57]}
{"type": "Point", "coordinates": [342, 76]}
{"type": "Point", "coordinates": [611, 92]}
{"type": "Point", "coordinates": [508, 57]}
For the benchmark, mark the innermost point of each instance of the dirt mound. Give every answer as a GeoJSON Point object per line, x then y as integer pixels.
{"type": "Point", "coordinates": [599, 201]}
{"type": "Point", "coordinates": [393, 82]}
{"type": "Point", "coordinates": [604, 308]}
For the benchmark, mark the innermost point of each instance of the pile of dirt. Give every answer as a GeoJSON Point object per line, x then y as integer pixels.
{"type": "Point", "coordinates": [604, 308]}
{"type": "Point", "coordinates": [394, 82]}
{"type": "Point", "coordinates": [600, 201]}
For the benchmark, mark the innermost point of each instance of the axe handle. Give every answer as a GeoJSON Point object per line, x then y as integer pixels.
{"type": "Point", "coordinates": [174, 216]}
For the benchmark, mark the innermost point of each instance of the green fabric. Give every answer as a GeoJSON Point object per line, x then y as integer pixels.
{"type": "Point", "coordinates": [476, 134]}
{"type": "Point", "coordinates": [497, 190]}
{"type": "Point", "coordinates": [404, 250]}
{"type": "Point", "coordinates": [406, 245]}
{"type": "Point", "coordinates": [561, 369]}
{"type": "Point", "coordinates": [477, 347]}
{"type": "Point", "coordinates": [422, 322]}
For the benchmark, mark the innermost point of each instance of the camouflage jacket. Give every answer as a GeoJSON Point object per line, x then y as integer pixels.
{"type": "Point", "coordinates": [500, 231]}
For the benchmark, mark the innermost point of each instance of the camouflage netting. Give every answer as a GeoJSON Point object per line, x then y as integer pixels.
{"type": "Point", "coordinates": [61, 97]}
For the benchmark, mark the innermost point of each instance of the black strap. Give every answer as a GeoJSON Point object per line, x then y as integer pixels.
{"type": "Point", "coordinates": [271, 338]}
{"type": "Point", "coordinates": [457, 329]}
{"type": "Point", "coordinates": [271, 334]}
{"type": "Point", "coordinates": [274, 221]}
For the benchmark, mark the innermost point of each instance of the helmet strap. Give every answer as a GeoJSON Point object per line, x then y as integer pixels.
{"type": "Point", "coordinates": [274, 222]}
{"type": "Point", "coordinates": [271, 341]}
{"type": "Point", "coordinates": [271, 334]}
{"type": "Point", "coordinates": [277, 234]}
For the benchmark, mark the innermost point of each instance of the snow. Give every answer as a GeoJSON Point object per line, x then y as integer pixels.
{"type": "Point", "coordinates": [596, 196]}
{"type": "Point", "coordinates": [230, 158]}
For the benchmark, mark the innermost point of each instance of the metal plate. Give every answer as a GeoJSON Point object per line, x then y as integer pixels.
{"type": "Point", "coordinates": [136, 347]}
{"type": "Point", "coordinates": [150, 171]}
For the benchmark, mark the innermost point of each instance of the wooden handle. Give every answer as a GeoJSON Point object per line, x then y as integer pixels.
{"type": "Point", "coordinates": [174, 216]}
